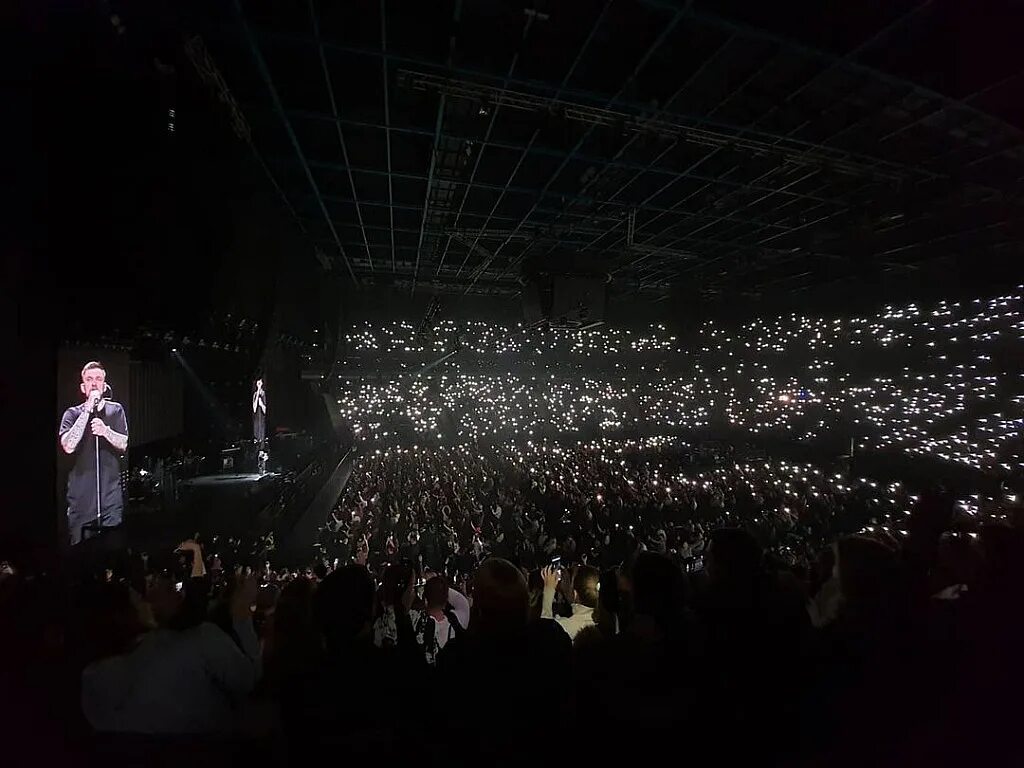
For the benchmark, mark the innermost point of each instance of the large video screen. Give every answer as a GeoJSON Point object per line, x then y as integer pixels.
{"type": "Point", "coordinates": [92, 433]}
{"type": "Point", "coordinates": [109, 407]}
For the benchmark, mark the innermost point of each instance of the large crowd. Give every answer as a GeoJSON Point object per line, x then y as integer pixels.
{"type": "Point", "coordinates": [445, 507]}
{"type": "Point", "coordinates": [542, 566]}
{"type": "Point", "coordinates": [944, 382]}
{"type": "Point", "coordinates": [551, 602]}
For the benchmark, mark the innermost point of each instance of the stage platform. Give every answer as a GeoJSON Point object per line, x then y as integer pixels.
{"type": "Point", "coordinates": [230, 502]}
{"type": "Point", "coordinates": [231, 479]}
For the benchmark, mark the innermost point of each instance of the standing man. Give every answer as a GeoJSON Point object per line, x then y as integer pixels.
{"type": "Point", "coordinates": [259, 425]}
{"type": "Point", "coordinates": [259, 413]}
{"type": "Point", "coordinates": [94, 483]}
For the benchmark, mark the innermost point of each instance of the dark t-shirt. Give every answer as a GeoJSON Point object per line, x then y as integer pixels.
{"type": "Point", "coordinates": [506, 678]}
{"type": "Point", "coordinates": [81, 492]}
{"type": "Point", "coordinates": [359, 701]}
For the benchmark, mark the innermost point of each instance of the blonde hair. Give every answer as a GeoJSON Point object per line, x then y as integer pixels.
{"type": "Point", "coordinates": [91, 365]}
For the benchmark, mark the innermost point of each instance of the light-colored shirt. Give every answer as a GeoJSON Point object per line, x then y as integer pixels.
{"type": "Point", "coordinates": [173, 682]}
{"type": "Point", "coordinates": [385, 627]}
{"type": "Point", "coordinates": [460, 606]}
{"type": "Point", "coordinates": [582, 616]}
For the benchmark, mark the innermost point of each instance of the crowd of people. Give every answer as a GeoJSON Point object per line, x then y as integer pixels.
{"type": "Point", "coordinates": [944, 382]}
{"type": "Point", "coordinates": [600, 601]}
{"type": "Point", "coordinates": [445, 507]}
{"type": "Point", "coordinates": [531, 564]}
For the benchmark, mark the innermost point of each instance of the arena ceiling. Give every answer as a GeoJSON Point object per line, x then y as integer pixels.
{"type": "Point", "coordinates": [742, 148]}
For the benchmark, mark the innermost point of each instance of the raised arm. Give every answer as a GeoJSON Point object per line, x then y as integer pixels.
{"type": "Point", "coordinates": [235, 668]}
{"type": "Point", "coordinates": [550, 577]}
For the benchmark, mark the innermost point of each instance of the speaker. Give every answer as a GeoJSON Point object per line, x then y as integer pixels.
{"type": "Point", "coordinates": [577, 301]}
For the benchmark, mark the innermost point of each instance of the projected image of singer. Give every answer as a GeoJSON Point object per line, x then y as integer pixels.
{"type": "Point", "coordinates": [96, 433]}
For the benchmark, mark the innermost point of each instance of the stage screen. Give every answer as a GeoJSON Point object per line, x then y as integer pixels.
{"type": "Point", "coordinates": [89, 482]}
{"type": "Point", "coordinates": [139, 402]}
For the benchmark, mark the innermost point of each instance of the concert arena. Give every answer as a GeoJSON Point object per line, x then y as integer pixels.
{"type": "Point", "coordinates": [507, 382]}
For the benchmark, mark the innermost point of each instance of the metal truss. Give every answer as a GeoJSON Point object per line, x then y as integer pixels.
{"type": "Point", "coordinates": [758, 196]}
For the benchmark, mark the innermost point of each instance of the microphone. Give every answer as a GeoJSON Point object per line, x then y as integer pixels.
{"type": "Point", "coordinates": [99, 398]}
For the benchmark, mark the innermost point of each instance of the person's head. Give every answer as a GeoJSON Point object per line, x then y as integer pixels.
{"type": "Point", "coordinates": [94, 378]}
{"type": "Point", "coordinates": [294, 606]}
{"type": "Point", "coordinates": [608, 601]}
{"type": "Point", "coordinates": [867, 570]}
{"type": "Point", "coordinates": [586, 586]}
{"type": "Point", "coordinates": [106, 619]}
{"type": "Point", "coordinates": [343, 604]}
{"type": "Point", "coordinates": [164, 597]}
{"type": "Point", "coordinates": [824, 565]}
{"type": "Point", "coordinates": [733, 557]}
{"type": "Point", "coordinates": [500, 599]}
{"type": "Point", "coordinates": [435, 593]}
{"type": "Point", "coordinates": [397, 579]}
{"type": "Point", "coordinates": [959, 560]}
{"type": "Point", "coordinates": [658, 588]}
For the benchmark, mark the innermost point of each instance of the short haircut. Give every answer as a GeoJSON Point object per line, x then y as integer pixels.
{"type": "Point", "coordinates": [659, 589]}
{"type": "Point", "coordinates": [500, 600]}
{"type": "Point", "coordinates": [343, 603]}
{"type": "Point", "coordinates": [737, 557]}
{"type": "Point", "coordinates": [397, 578]}
{"type": "Point", "coordinates": [587, 585]}
{"type": "Point", "coordinates": [435, 592]}
{"type": "Point", "coordinates": [868, 570]}
{"type": "Point", "coordinates": [92, 364]}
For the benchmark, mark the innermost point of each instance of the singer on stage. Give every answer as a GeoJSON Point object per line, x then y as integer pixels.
{"type": "Point", "coordinates": [94, 486]}
{"type": "Point", "coordinates": [259, 425]}
{"type": "Point", "coordinates": [259, 414]}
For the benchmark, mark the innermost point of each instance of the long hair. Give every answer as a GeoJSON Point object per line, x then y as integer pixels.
{"type": "Point", "coordinates": [871, 582]}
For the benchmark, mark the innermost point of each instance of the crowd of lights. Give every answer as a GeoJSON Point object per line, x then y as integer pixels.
{"type": "Point", "coordinates": [942, 382]}
{"type": "Point", "coordinates": [796, 507]}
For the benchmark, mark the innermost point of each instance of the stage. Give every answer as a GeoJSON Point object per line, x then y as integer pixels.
{"type": "Point", "coordinates": [233, 503]}
{"type": "Point", "coordinates": [250, 481]}
{"type": "Point", "coordinates": [243, 505]}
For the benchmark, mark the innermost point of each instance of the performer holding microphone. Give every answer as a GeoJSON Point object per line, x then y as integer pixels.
{"type": "Point", "coordinates": [259, 414]}
{"type": "Point", "coordinates": [259, 425]}
{"type": "Point", "coordinates": [96, 433]}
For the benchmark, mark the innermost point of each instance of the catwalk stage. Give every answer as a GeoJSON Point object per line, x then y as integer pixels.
{"type": "Point", "coordinates": [246, 482]}
{"type": "Point", "coordinates": [233, 503]}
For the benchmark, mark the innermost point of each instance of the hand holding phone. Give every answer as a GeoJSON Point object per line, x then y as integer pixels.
{"type": "Point", "coordinates": [550, 575]}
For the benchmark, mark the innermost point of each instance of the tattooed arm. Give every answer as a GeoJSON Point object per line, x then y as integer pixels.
{"type": "Point", "coordinates": [72, 437]}
{"type": "Point", "coordinates": [117, 432]}
{"type": "Point", "coordinates": [116, 439]}
{"type": "Point", "coordinates": [119, 441]}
